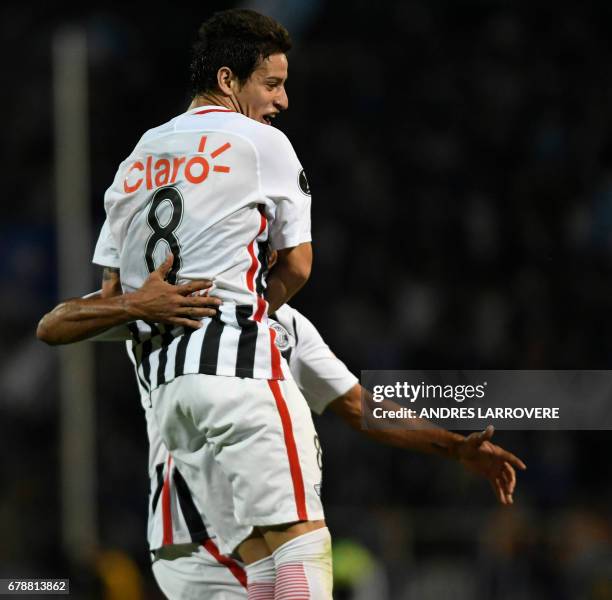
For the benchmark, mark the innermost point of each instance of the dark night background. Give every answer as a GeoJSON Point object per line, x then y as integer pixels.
{"type": "Point", "coordinates": [460, 158]}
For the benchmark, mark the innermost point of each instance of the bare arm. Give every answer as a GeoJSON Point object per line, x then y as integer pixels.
{"type": "Point", "coordinates": [475, 452]}
{"type": "Point", "coordinates": [156, 301]}
{"type": "Point", "coordinates": [290, 273]}
{"type": "Point", "coordinates": [416, 434]}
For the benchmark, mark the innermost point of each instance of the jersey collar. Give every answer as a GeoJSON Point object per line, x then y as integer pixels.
{"type": "Point", "coordinates": [203, 110]}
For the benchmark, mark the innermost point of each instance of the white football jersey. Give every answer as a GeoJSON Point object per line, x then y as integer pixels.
{"type": "Point", "coordinates": [214, 188]}
{"type": "Point", "coordinates": [319, 374]}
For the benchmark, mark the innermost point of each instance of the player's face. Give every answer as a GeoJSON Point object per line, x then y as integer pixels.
{"type": "Point", "coordinates": [263, 95]}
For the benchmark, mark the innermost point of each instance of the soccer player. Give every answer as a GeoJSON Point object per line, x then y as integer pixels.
{"type": "Point", "coordinates": [214, 186]}
{"type": "Point", "coordinates": [192, 567]}
{"type": "Point", "coordinates": [187, 562]}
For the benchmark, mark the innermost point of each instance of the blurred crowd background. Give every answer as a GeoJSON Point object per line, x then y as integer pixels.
{"type": "Point", "coordinates": [460, 157]}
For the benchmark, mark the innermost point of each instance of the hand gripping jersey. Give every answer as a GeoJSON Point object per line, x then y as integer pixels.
{"type": "Point", "coordinates": [175, 515]}
{"type": "Point", "coordinates": [214, 188]}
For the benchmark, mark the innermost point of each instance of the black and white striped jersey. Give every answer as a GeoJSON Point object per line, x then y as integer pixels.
{"type": "Point", "coordinates": [231, 344]}
{"type": "Point", "coordinates": [237, 342]}
{"type": "Point", "coordinates": [174, 514]}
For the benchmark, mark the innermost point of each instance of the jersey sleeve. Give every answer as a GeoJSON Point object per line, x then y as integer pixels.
{"type": "Point", "coordinates": [320, 375]}
{"type": "Point", "coordinates": [106, 254]}
{"type": "Point", "coordinates": [284, 182]}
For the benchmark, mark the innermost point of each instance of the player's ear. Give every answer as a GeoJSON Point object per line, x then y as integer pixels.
{"type": "Point", "coordinates": [226, 81]}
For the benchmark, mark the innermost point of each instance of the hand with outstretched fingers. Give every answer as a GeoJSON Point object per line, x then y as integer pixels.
{"type": "Point", "coordinates": [158, 301]}
{"type": "Point", "coordinates": [480, 456]}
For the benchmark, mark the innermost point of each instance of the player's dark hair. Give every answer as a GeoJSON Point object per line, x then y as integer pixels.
{"type": "Point", "coordinates": [238, 39]}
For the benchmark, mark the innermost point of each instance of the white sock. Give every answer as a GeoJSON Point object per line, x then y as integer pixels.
{"type": "Point", "coordinates": [260, 579]}
{"type": "Point", "coordinates": [304, 567]}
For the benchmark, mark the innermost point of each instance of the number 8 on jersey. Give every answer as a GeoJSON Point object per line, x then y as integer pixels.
{"type": "Point", "coordinates": [159, 204]}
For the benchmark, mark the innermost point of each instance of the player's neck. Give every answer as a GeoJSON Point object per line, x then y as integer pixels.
{"type": "Point", "coordinates": [213, 99]}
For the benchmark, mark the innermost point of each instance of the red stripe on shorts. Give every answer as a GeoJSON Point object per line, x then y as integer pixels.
{"type": "Point", "coordinates": [237, 571]}
{"type": "Point", "coordinates": [294, 461]}
{"type": "Point", "coordinates": [277, 372]}
{"type": "Point", "coordinates": [166, 512]}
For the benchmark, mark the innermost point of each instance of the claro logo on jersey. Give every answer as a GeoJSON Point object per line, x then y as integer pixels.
{"type": "Point", "coordinates": [165, 171]}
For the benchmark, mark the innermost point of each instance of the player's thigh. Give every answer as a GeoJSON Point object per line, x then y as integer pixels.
{"type": "Point", "coordinates": [262, 437]}
{"type": "Point", "coordinates": [189, 572]}
{"type": "Point", "coordinates": [275, 468]}
{"type": "Point", "coordinates": [213, 488]}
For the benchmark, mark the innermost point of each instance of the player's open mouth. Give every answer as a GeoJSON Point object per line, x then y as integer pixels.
{"type": "Point", "coordinates": [269, 118]}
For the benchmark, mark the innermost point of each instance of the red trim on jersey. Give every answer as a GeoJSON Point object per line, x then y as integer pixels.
{"type": "Point", "coordinates": [292, 454]}
{"type": "Point", "coordinates": [254, 262]}
{"type": "Point", "coordinates": [209, 110]}
{"type": "Point", "coordinates": [253, 268]}
{"type": "Point", "coordinates": [237, 571]}
{"type": "Point", "coordinates": [166, 510]}
{"type": "Point", "coordinates": [275, 355]}
{"type": "Point", "coordinates": [262, 306]}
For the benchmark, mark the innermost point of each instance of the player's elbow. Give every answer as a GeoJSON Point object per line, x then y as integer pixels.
{"type": "Point", "coordinates": [45, 333]}
{"type": "Point", "coordinates": [348, 406]}
{"type": "Point", "coordinates": [51, 328]}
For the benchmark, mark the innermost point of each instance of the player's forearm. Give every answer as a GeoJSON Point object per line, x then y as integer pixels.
{"type": "Point", "coordinates": [416, 434]}
{"type": "Point", "coordinates": [280, 290]}
{"type": "Point", "coordinates": [288, 276]}
{"type": "Point", "coordinates": [82, 318]}
{"type": "Point", "coordinates": [419, 436]}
